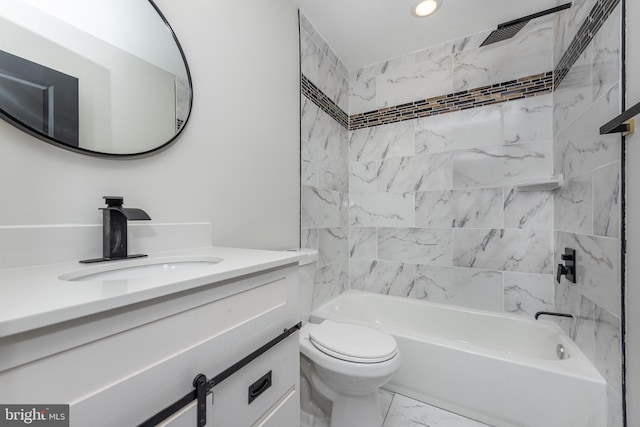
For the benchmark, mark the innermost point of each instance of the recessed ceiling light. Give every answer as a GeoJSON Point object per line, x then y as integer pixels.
{"type": "Point", "coordinates": [425, 7]}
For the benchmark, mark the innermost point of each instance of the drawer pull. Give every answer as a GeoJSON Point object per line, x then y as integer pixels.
{"type": "Point", "coordinates": [259, 387]}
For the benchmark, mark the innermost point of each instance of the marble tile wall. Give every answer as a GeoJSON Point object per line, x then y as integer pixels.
{"type": "Point", "coordinates": [324, 163]}
{"type": "Point", "coordinates": [321, 65]}
{"type": "Point", "coordinates": [452, 67]}
{"type": "Point", "coordinates": [587, 208]}
{"type": "Point", "coordinates": [433, 209]}
{"type": "Point", "coordinates": [576, 30]}
{"type": "Point", "coordinates": [429, 207]}
{"type": "Point", "coordinates": [434, 213]}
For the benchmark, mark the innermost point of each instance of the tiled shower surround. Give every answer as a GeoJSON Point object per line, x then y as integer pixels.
{"type": "Point", "coordinates": [587, 208]}
{"type": "Point", "coordinates": [324, 163]}
{"type": "Point", "coordinates": [434, 213]}
{"type": "Point", "coordinates": [427, 208]}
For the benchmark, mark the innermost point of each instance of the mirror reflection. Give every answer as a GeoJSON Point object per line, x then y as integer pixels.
{"type": "Point", "coordinates": [103, 77]}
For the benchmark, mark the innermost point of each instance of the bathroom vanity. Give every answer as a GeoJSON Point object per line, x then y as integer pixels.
{"type": "Point", "coordinates": [119, 349]}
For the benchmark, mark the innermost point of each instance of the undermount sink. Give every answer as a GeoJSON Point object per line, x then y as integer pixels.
{"type": "Point", "coordinates": [123, 270]}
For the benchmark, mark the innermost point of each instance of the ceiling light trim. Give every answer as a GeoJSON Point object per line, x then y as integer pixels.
{"type": "Point", "coordinates": [424, 8]}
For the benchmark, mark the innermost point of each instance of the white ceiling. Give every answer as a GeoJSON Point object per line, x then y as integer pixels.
{"type": "Point", "coordinates": [363, 32]}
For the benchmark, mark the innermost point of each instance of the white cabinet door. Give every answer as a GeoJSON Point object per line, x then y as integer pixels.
{"type": "Point", "coordinates": [231, 407]}
{"type": "Point", "coordinates": [186, 417]}
{"type": "Point", "coordinates": [285, 414]}
{"type": "Point", "coordinates": [276, 406]}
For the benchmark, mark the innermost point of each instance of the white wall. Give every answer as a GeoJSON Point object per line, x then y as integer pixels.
{"type": "Point", "coordinates": [632, 146]}
{"type": "Point", "coordinates": [237, 162]}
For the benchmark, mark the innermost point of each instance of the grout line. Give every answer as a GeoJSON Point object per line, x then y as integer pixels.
{"type": "Point", "coordinates": [386, 414]}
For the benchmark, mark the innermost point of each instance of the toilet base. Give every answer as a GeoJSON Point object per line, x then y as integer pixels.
{"type": "Point", "coordinates": [357, 411]}
{"type": "Point", "coordinates": [313, 419]}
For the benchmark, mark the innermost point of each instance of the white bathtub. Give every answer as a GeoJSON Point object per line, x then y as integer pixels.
{"type": "Point", "coordinates": [500, 369]}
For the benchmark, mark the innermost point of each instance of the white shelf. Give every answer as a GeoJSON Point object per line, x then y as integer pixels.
{"type": "Point", "coordinates": [549, 183]}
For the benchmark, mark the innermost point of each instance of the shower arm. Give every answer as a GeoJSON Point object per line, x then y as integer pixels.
{"type": "Point", "coordinates": [535, 15]}
{"type": "Point", "coordinates": [509, 29]}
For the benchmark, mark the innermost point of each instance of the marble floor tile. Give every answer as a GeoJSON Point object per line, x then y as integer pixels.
{"type": "Point", "coordinates": [385, 401]}
{"type": "Point", "coordinates": [406, 412]}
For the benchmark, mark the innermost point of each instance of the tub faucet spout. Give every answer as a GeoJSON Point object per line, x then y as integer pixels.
{"type": "Point", "coordinates": [114, 229]}
{"type": "Point", "coordinates": [553, 313]}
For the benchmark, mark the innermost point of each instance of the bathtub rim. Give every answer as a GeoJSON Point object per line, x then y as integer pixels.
{"type": "Point", "coordinates": [577, 365]}
{"type": "Point", "coordinates": [452, 307]}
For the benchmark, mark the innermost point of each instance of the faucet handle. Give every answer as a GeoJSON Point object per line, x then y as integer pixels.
{"type": "Point", "coordinates": [113, 201]}
{"type": "Point", "coordinates": [562, 271]}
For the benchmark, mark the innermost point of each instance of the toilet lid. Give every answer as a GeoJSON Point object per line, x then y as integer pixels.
{"type": "Point", "coordinates": [353, 343]}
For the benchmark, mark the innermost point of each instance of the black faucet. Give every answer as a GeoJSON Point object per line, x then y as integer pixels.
{"type": "Point", "coordinates": [567, 269]}
{"type": "Point", "coordinates": [553, 313]}
{"type": "Point", "coordinates": [114, 229]}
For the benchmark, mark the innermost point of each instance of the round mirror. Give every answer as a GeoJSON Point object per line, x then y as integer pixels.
{"type": "Point", "coordinates": [100, 77]}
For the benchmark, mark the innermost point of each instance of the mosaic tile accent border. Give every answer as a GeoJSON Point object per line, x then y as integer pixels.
{"type": "Point", "coordinates": [325, 103]}
{"type": "Point", "coordinates": [597, 17]}
{"type": "Point", "coordinates": [525, 87]}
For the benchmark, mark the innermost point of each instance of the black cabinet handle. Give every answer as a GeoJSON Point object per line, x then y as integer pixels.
{"type": "Point", "coordinates": [259, 387]}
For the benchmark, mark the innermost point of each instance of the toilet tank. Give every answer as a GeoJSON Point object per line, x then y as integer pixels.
{"type": "Point", "coordinates": [307, 271]}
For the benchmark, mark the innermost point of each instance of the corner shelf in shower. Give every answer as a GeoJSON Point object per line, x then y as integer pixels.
{"type": "Point", "coordinates": [548, 183]}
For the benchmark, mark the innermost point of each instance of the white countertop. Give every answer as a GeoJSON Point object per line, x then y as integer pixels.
{"type": "Point", "coordinates": [33, 297]}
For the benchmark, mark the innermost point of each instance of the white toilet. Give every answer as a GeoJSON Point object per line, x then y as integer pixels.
{"type": "Point", "coordinates": [342, 365]}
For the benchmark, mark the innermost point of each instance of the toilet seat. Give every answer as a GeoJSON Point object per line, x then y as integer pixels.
{"type": "Point", "coordinates": [353, 343]}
